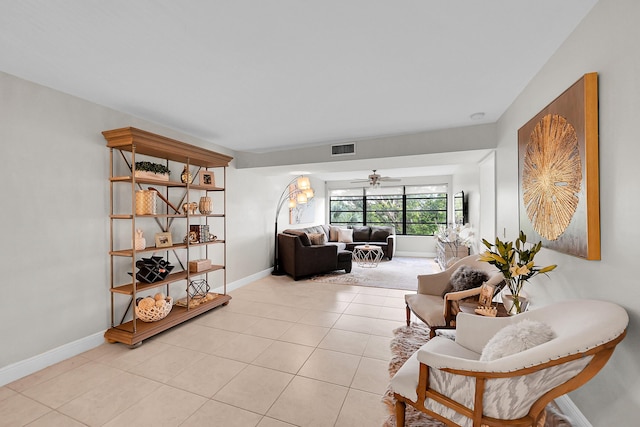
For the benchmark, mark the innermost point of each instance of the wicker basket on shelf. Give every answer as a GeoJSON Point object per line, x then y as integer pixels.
{"type": "Point", "coordinates": [154, 313]}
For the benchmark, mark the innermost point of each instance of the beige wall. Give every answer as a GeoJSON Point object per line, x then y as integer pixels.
{"type": "Point", "coordinates": [55, 229]}
{"type": "Point", "coordinates": [605, 42]}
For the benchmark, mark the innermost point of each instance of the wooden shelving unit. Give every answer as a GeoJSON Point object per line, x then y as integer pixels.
{"type": "Point", "coordinates": [125, 144]}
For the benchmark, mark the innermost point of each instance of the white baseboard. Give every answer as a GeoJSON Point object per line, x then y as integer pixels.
{"type": "Point", "coordinates": [26, 367]}
{"type": "Point", "coordinates": [34, 364]}
{"type": "Point", "coordinates": [245, 281]}
{"type": "Point", "coordinates": [568, 408]}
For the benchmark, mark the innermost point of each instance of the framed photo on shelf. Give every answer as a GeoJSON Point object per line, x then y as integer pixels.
{"type": "Point", "coordinates": [163, 240]}
{"type": "Point", "coordinates": [207, 178]}
{"type": "Point", "coordinates": [486, 295]}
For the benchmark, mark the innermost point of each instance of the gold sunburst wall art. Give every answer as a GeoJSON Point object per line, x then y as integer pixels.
{"type": "Point", "coordinates": [558, 172]}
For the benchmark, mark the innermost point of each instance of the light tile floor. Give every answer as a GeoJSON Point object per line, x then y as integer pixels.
{"type": "Point", "coordinates": [282, 353]}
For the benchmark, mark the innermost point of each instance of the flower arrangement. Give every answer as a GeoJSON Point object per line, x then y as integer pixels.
{"type": "Point", "coordinates": [515, 263]}
{"type": "Point", "coordinates": [458, 234]}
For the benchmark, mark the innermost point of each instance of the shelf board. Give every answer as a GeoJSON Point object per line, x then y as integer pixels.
{"type": "Point", "coordinates": [149, 249]}
{"type": "Point", "coordinates": [213, 242]}
{"type": "Point", "coordinates": [205, 187]}
{"type": "Point", "coordinates": [129, 216]}
{"type": "Point", "coordinates": [141, 286]}
{"type": "Point", "coordinates": [159, 182]}
{"type": "Point", "coordinates": [148, 181]}
{"type": "Point", "coordinates": [125, 334]}
{"type": "Point", "coordinates": [209, 270]}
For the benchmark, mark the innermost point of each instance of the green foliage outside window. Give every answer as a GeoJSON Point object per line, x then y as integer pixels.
{"type": "Point", "coordinates": [410, 214]}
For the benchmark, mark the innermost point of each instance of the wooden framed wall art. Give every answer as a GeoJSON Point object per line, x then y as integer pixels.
{"type": "Point", "coordinates": [558, 172]}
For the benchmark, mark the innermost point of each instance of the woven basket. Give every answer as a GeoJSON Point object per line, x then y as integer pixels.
{"type": "Point", "coordinates": [154, 313]}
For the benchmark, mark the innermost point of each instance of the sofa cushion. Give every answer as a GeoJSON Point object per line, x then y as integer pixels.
{"type": "Point", "coordinates": [345, 235]}
{"type": "Point", "coordinates": [314, 229]}
{"type": "Point", "coordinates": [428, 308]}
{"type": "Point", "coordinates": [380, 234]}
{"type": "Point", "coordinates": [361, 234]}
{"type": "Point", "coordinates": [304, 238]}
{"type": "Point", "coordinates": [515, 338]}
{"type": "Point", "coordinates": [317, 238]}
{"type": "Point", "coordinates": [333, 233]}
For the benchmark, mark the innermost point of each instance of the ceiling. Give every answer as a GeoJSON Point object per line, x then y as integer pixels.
{"type": "Point", "coordinates": [259, 76]}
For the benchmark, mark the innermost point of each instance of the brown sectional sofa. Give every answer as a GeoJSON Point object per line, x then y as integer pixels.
{"type": "Point", "coordinates": [299, 257]}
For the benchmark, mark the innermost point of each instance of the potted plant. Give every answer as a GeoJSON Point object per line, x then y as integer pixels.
{"type": "Point", "coordinates": [517, 266]}
{"type": "Point", "coordinates": [151, 170]}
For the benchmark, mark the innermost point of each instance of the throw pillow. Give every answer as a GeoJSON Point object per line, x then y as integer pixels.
{"type": "Point", "coordinates": [345, 235]}
{"type": "Point", "coordinates": [361, 234]}
{"type": "Point", "coordinates": [515, 338]}
{"type": "Point", "coordinates": [380, 234]}
{"type": "Point", "coordinates": [464, 278]}
{"type": "Point", "coordinates": [333, 233]}
{"type": "Point", "coordinates": [317, 238]}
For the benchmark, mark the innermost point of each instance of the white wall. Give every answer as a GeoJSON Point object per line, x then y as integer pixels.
{"type": "Point", "coordinates": [486, 206]}
{"type": "Point", "coordinates": [605, 42]}
{"type": "Point", "coordinates": [54, 224]}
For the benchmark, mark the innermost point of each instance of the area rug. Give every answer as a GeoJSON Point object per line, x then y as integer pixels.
{"type": "Point", "coordinates": [407, 340]}
{"type": "Point", "coordinates": [398, 273]}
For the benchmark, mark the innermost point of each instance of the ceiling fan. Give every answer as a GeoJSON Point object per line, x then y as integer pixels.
{"type": "Point", "coordinates": [375, 179]}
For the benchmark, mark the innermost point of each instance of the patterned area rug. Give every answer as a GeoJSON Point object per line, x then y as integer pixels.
{"type": "Point", "coordinates": [405, 342]}
{"type": "Point", "coordinates": [399, 273]}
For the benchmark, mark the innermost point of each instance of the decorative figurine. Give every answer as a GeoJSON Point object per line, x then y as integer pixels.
{"type": "Point", "coordinates": [139, 241]}
{"type": "Point", "coordinates": [186, 176]}
{"type": "Point", "coordinates": [190, 208]}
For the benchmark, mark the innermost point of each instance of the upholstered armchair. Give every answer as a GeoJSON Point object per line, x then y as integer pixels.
{"type": "Point", "coordinates": [454, 382]}
{"type": "Point", "coordinates": [436, 310]}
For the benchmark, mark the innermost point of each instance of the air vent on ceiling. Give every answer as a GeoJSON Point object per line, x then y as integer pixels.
{"type": "Point", "coordinates": [343, 149]}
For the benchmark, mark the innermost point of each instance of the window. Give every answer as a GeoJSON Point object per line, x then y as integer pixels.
{"type": "Point", "coordinates": [412, 210]}
{"type": "Point", "coordinates": [346, 207]}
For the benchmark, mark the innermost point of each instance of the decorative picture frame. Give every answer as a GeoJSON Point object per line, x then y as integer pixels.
{"type": "Point", "coordinates": [486, 295]}
{"type": "Point", "coordinates": [558, 172]}
{"type": "Point", "coordinates": [163, 240]}
{"type": "Point", "coordinates": [206, 178]}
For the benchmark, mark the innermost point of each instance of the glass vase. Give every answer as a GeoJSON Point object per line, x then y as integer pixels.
{"type": "Point", "coordinates": [514, 304]}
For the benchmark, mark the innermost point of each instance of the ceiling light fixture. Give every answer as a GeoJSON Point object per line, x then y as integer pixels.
{"type": "Point", "coordinates": [477, 116]}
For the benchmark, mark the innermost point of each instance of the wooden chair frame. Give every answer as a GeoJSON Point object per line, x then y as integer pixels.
{"type": "Point", "coordinates": [601, 355]}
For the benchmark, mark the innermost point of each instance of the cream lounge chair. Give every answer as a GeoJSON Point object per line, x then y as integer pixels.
{"type": "Point", "coordinates": [431, 307]}
{"type": "Point", "coordinates": [447, 380]}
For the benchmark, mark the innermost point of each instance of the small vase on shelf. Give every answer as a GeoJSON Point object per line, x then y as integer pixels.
{"type": "Point", "coordinates": [206, 205]}
{"type": "Point", "coordinates": [186, 176]}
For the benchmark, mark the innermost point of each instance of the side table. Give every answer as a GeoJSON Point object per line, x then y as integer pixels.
{"type": "Point", "coordinates": [470, 307]}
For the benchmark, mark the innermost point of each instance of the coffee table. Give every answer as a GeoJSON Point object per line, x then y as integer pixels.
{"type": "Point", "coordinates": [367, 256]}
